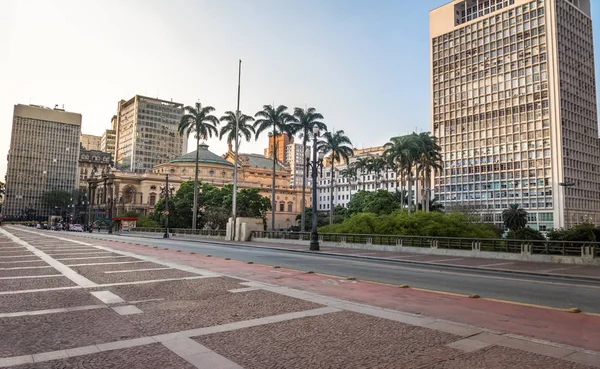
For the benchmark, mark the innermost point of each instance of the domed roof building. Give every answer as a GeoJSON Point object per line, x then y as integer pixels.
{"type": "Point", "coordinates": [140, 191]}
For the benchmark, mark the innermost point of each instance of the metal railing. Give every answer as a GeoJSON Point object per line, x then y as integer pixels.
{"type": "Point", "coordinates": [183, 231]}
{"type": "Point", "coordinates": [566, 248]}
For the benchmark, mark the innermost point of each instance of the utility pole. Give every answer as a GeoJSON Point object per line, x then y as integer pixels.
{"type": "Point", "coordinates": [235, 157]}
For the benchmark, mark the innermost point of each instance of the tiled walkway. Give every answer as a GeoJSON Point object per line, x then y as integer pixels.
{"type": "Point", "coordinates": [82, 303]}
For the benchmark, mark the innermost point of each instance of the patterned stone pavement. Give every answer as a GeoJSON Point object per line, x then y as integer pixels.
{"type": "Point", "coordinates": [76, 303]}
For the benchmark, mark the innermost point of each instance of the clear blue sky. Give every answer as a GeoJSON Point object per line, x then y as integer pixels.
{"type": "Point", "coordinates": [363, 64]}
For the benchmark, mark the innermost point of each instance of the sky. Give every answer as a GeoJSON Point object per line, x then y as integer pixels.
{"type": "Point", "coordinates": [363, 64]}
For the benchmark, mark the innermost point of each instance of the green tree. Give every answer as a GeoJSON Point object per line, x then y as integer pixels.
{"type": "Point", "coordinates": [252, 204]}
{"type": "Point", "coordinates": [57, 200]}
{"type": "Point", "coordinates": [339, 147]}
{"type": "Point", "coordinates": [526, 233]}
{"type": "Point", "coordinates": [362, 165]}
{"type": "Point", "coordinates": [429, 160]}
{"type": "Point", "coordinates": [514, 217]}
{"type": "Point", "coordinates": [350, 173]}
{"type": "Point", "coordinates": [245, 128]}
{"type": "Point", "coordinates": [377, 202]}
{"type": "Point", "coordinates": [304, 121]}
{"type": "Point", "coordinates": [203, 125]}
{"type": "Point", "coordinates": [579, 232]}
{"type": "Point", "coordinates": [402, 152]}
{"type": "Point", "coordinates": [146, 222]}
{"type": "Point", "coordinates": [280, 122]}
{"type": "Point", "coordinates": [377, 165]}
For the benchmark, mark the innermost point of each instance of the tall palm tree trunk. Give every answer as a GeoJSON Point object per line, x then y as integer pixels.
{"type": "Point", "coordinates": [409, 189]}
{"type": "Point", "coordinates": [332, 194]}
{"type": "Point", "coordinates": [416, 190]}
{"type": "Point", "coordinates": [303, 219]}
{"type": "Point", "coordinates": [195, 211]}
{"type": "Point", "coordinates": [273, 204]}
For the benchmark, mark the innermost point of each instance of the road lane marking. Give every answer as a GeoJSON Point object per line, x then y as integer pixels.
{"type": "Point", "coordinates": [111, 263]}
{"type": "Point", "coordinates": [39, 290]}
{"type": "Point", "coordinates": [62, 268]}
{"type": "Point", "coordinates": [135, 270]}
{"type": "Point", "coordinates": [32, 276]}
{"type": "Point", "coordinates": [198, 355]}
{"type": "Point", "coordinates": [51, 311]}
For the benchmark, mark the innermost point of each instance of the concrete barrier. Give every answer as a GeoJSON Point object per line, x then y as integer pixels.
{"type": "Point", "coordinates": [525, 254]}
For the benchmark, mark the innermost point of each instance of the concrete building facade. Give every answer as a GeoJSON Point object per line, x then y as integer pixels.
{"type": "Point", "coordinates": [513, 103]}
{"type": "Point", "coordinates": [344, 187]}
{"type": "Point", "coordinates": [43, 156]}
{"type": "Point", "coordinates": [281, 141]}
{"type": "Point", "coordinates": [92, 163]}
{"type": "Point", "coordinates": [295, 162]}
{"type": "Point", "coordinates": [91, 142]}
{"type": "Point", "coordinates": [146, 133]}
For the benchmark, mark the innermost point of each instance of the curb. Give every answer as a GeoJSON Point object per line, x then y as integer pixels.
{"type": "Point", "coordinates": [453, 266]}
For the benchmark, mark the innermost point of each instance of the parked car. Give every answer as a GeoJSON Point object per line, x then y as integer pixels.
{"type": "Point", "coordinates": [77, 228]}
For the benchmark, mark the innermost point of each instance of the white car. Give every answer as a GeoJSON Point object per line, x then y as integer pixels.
{"type": "Point", "coordinates": [77, 228]}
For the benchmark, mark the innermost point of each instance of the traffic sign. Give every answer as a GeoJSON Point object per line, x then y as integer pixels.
{"type": "Point", "coordinates": [166, 212]}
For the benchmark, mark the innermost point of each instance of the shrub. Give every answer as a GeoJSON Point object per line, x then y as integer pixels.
{"type": "Point", "coordinates": [145, 222]}
{"type": "Point", "coordinates": [417, 224]}
{"type": "Point", "coordinates": [526, 233]}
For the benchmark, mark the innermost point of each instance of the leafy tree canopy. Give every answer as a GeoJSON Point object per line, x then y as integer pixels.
{"type": "Point", "coordinates": [378, 202]}
{"type": "Point", "coordinates": [56, 198]}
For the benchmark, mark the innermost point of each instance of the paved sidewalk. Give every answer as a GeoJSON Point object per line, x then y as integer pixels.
{"type": "Point", "coordinates": [113, 304]}
{"type": "Point", "coordinates": [590, 272]}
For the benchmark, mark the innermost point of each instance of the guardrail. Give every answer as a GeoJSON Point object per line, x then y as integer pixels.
{"type": "Point", "coordinates": [183, 231]}
{"type": "Point", "coordinates": [566, 248]}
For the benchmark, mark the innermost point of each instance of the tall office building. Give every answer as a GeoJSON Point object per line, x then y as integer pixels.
{"type": "Point", "coordinates": [91, 142]}
{"type": "Point", "coordinates": [44, 150]}
{"type": "Point", "coordinates": [146, 133]}
{"type": "Point", "coordinates": [294, 161]}
{"type": "Point", "coordinates": [513, 102]}
{"type": "Point", "coordinates": [282, 141]}
{"type": "Point", "coordinates": [107, 141]}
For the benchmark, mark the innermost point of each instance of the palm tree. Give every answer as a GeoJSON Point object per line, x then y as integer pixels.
{"type": "Point", "coordinates": [339, 146]}
{"type": "Point", "coordinates": [199, 121]}
{"type": "Point", "coordinates": [377, 165]}
{"type": "Point", "coordinates": [350, 174]}
{"type": "Point", "coordinates": [280, 122]}
{"type": "Point", "coordinates": [304, 121]}
{"type": "Point", "coordinates": [402, 151]}
{"type": "Point", "coordinates": [430, 160]}
{"type": "Point", "coordinates": [245, 129]}
{"type": "Point", "coordinates": [514, 217]}
{"type": "Point", "coordinates": [362, 164]}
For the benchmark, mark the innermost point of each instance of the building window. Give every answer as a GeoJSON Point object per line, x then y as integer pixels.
{"type": "Point", "coordinates": [152, 198]}
{"type": "Point", "coordinates": [281, 207]}
{"type": "Point", "coordinates": [290, 207]}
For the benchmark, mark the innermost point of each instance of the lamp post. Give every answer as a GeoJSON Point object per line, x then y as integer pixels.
{"type": "Point", "coordinates": [165, 191]}
{"type": "Point", "coordinates": [314, 166]}
{"type": "Point", "coordinates": [564, 185]}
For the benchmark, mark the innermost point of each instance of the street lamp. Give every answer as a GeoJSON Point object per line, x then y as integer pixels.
{"type": "Point", "coordinates": [314, 166]}
{"type": "Point", "coordinates": [564, 185]}
{"type": "Point", "coordinates": [165, 191]}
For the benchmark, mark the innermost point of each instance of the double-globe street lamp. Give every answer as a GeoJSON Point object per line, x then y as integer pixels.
{"type": "Point", "coordinates": [315, 166]}
{"type": "Point", "coordinates": [166, 191]}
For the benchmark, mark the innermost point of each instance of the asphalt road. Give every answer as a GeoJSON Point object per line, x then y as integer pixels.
{"type": "Point", "coordinates": [540, 290]}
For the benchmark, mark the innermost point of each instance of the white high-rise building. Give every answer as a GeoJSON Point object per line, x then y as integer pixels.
{"type": "Point", "coordinates": [513, 103]}
{"type": "Point", "coordinates": [294, 161]}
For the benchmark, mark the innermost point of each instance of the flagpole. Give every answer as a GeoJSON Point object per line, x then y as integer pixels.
{"type": "Point", "coordinates": [235, 157]}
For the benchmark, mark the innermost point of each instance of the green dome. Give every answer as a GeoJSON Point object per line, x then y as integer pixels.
{"type": "Point", "coordinates": [204, 156]}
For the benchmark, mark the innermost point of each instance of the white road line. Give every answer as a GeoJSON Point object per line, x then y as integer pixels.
{"type": "Point", "coordinates": [136, 270]}
{"type": "Point", "coordinates": [112, 263]}
{"type": "Point", "coordinates": [2, 257]}
{"type": "Point", "coordinates": [198, 355]}
{"type": "Point", "coordinates": [440, 260]}
{"type": "Point", "coordinates": [62, 268]}
{"type": "Point", "coordinates": [141, 257]}
{"type": "Point", "coordinates": [38, 290]}
{"type": "Point", "coordinates": [20, 261]}
{"type": "Point", "coordinates": [93, 257]}
{"type": "Point", "coordinates": [142, 301]}
{"type": "Point", "coordinates": [32, 276]}
{"type": "Point", "coordinates": [154, 281]}
{"type": "Point", "coordinates": [24, 268]}
{"type": "Point", "coordinates": [107, 297]}
{"type": "Point", "coordinates": [80, 253]}
{"type": "Point", "coordinates": [52, 311]}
